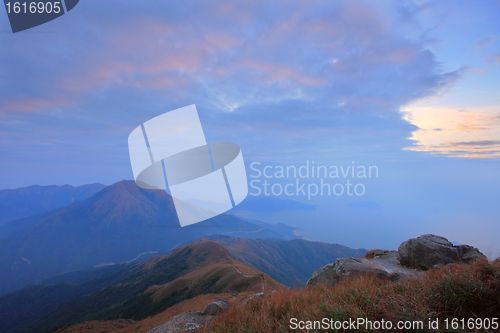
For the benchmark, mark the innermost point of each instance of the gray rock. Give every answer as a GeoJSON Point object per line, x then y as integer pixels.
{"type": "Point", "coordinates": [472, 255]}
{"type": "Point", "coordinates": [258, 295]}
{"type": "Point", "coordinates": [185, 322]}
{"type": "Point", "coordinates": [420, 253]}
{"type": "Point", "coordinates": [216, 307]}
{"type": "Point", "coordinates": [463, 249]}
{"type": "Point", "coordinates": [429, 251]}
{"type": "Point", "coordinates": [232, 292]}
{"type": "Point", "coordinates": [384, 265]}
{"type": "Point", "coordinates": [192, 321]}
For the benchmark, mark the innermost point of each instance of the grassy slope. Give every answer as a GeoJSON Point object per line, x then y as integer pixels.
{"type": "Point", "coordinates": [453, 291]}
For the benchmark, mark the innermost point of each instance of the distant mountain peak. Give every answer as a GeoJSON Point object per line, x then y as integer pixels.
{"type": "Point", "coordinates": [116, 224]}
{"type": "Point", "coordinates": [22, 202]}
{"type": "Point", "coordinates": [124, 200]}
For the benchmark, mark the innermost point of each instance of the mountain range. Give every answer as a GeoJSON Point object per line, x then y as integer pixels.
{"type": "Point", "coordinates": [133, 291]}
{"type": "Point", "coordinates": [289, 262]}
{"type": "Point", "coordinates": [120, 223]}
{"type": "Point", "coordinates": [18, 203]}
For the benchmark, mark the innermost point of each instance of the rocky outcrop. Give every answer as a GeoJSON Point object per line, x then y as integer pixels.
{"type": "Point", "coordinates": [469, 253]}
{"type": "Point", "coordinates": [216, 307]}
{"type": "Point", "coordinates": [256, 296]}
{"type": "Point", "coordinates": [192, 321]}
{"type": "Point", "coordinates": [232, 292]}
{"type": "Point", "coordinates": [430, 251]}
{"type": "Point", "coordinates": [384, 265]}
{"type": "Point", "coordinates": [412, 257]}
{"type": "Point", "coordinates": [185, 322]}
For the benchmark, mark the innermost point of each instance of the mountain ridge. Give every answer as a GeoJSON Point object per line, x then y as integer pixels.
{"type": "Point", "coordinates": [22, 202]}
{"type": "Point", "coordinates": [136, 292]}
{"type": "Point", "coordinates": [289, 262]}
{"type": "Point", "coordinates": [114, 225]}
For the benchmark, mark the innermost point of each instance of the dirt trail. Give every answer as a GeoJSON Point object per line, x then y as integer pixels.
{"type": "Point", "coordinates": [261, 276]}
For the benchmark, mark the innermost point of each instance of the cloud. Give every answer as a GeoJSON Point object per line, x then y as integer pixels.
{"type": "Point", "coordinates": [470, 149]}
{"type": "Point", "coordinates": [308, 75]}
{"type": "Point", "coordinates": [456, 132]}
{"type": "Point", "coordinates": [479, 122]}
{"type": "Point", "coordinates": [474, 143]}
{"type": "Point", "coordinates": [484, 42]}
{"type": "Point", "coordinates": [494, 59]}
{"type": "Point", "coordinates": [32, 104]}
{"type": "Point", "coordinates": [464, 149]}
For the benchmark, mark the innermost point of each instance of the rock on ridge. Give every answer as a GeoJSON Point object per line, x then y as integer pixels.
{"type": "Point", "coordinates": [413, 256]}
{"type": "Point", "coordinates": [384, 265]}
{"type": "Point", "coordinates": [216, 307]}
{"type": "Point", "coordinates": [429, 251]}
{"type": "Point", "coordinates": [185, 322]}
{"type": "Point", "coordinates": [192, 321]}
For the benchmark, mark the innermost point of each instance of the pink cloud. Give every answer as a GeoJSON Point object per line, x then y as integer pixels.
{"type": "Point", "coordinates": [494, 59]}
{"type": "Point", "coordinates": [276, 72]}
{"type": "Point", "coordinates": [148, 54]}
{"type": "Point", "coordinates": [479, 122]}
{"type": "Point", "coordinates": [32, 104]}
{"type": "Point", "coordinates": [474, 143]}
{"type": "Point", "coordinates": [293, 54]}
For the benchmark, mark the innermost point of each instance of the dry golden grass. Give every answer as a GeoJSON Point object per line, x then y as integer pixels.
{"type": "Point", "coordinates": [453, 291]}
{"type": "Point", "coordinates": [372, 253]}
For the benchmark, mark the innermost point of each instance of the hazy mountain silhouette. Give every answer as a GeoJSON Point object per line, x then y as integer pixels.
{"type": "Point", "coordinates": [22, 202]}
{"type": "Point", "coordinates": [115, 225]}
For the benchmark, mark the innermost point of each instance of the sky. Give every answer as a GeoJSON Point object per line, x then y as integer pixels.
{"type": "Point", "coordinates": [411, 87]}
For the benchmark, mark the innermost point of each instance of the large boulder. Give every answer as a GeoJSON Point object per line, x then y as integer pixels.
{"type": "Point", "coordinates": [216, 307]}
{"type": "Point", "coordinates": [185, 322]}
{"type": "Point", "coordinates": [430, 251]}
{"type": "Point", "coordinates": [256, 296]}
{"type": "Point", "coordinates": [468, 253]}
{"type": "Point", "coordinates": [192, 321]}
{"type": "Point", "coordinates": [384, 264]}
{"type": "Point", "coordinates": [412, 257]}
